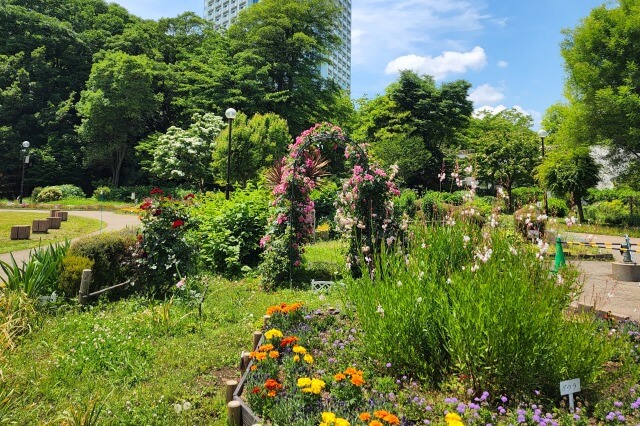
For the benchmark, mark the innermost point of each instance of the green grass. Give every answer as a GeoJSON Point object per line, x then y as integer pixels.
{"type": "Point", "coordinates": [138, 360]}
{"type": "Point", "coordinates": [74, 203]}
{"type": "Point", "coordinates": [72, 228]}
{"type": "Point", "coordinates": [600, 229]}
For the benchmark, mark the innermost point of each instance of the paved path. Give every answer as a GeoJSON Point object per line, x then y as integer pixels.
{"type": "Point", "coordinates": [600, 289]}
{"type": "Point", "coordinates": [112, 222]}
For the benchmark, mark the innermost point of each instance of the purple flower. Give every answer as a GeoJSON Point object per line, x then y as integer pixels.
{"type": "Point", "coordinates": [461, 408]}
{"type": "Point", "coordinates": [503, 398]}
{"type": "Point", "coordinates": [521, 419]}
{"type": "Point", "coordinates": [617, 404]}
{"type": "Point", "coordinates": [451, 400]}
{"type": "Point", "coordinates": [576, 417]}
{"type": "Point", "coordinates": [388, 365]}
{"type": "Point", "coordinates": [621, 418]}
{"type": "Point", "coordinates": [501, 410]}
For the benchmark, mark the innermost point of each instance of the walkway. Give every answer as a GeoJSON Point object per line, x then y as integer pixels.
{"type": "Point", "coordinates": [600, 290]}
{"type": "Point", "coordinates": [112, 222]}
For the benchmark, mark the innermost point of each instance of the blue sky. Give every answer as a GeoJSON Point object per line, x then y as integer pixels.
{"type": "Point", "coordinates": [509, 50]}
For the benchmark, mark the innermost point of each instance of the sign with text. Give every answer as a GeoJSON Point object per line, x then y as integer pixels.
{"type": "Point", "coordinates": [569, 387]}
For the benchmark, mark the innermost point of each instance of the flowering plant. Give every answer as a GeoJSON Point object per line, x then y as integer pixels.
{"type": "Point", "coordinates": [165, 251]}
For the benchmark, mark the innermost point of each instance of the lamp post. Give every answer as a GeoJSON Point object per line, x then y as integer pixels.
{"type": "Point", "coordinates": [230, 113]}
{"type": "Point", "coordinates": [25, 159]}
{"type": "Point", "coordinates": [543, 134]}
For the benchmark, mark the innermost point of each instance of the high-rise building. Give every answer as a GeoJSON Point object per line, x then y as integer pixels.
{"type": "Point", "coordinates": [338, 67]}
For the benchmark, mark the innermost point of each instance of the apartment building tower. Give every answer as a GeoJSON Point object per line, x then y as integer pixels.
{"type": "Point", "coordinates": [338, 67]}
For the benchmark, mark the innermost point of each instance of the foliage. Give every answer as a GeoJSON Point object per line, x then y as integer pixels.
{"type": "Point", "coordinates": [165, 252]}
{"type": "Point", "coordinates": [37, 276]}
{"type": "Point", "coordinates": [50, 193]}
{"type": "Point", "coordinates": [507, 150]}
{"type": "Point", "coordinates": [71, 273]}
{"type": "Point", "coordinates": [530, 218]}
{"type": "Point", "coordinates": [256, 143]}
{"type": "Point", "coordinates": [17, 315]}
{"type": "Point", "coordinates": [570, 173]}
{"type": "Point", "coordinates": [230, 231]}
{"type": "Point", "coordinates": [279, 45]}
{"type": "Point", "coordinates": [610, 194]}
{"type": "Point", "coordinates": [414, 115]}
{"type": "Point", "coordinates": [291, 217]}
{"type": "Point", "coordinates": [69, 190]}
{"type": "Point", "coordinates": [406, 203]}
{"type": "Point", "coordinates": [433, 205]}
{"type": "Point", "coordinates": [457, 287]}
{"type": "Point", "coordinates": [110, 253]}
{"type": "Point", "coordinates": [324, 199]}
{"type": "Point", "coordinates": [525, 195]}
{"type": "Point", "coordinates": [557, 207]}
{"type": "Point", "coordinates": [116, 109]}
{"type": "Point", "coordinates": [599, 55]}
{"type": "Point", "coordinates": [185, 155]}
{"type": "Point", "coordinates": [609, 213]}
{"type": "Point", "coordinates": [102, 193]}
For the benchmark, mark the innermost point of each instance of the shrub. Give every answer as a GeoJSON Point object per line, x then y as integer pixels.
{"type": "Point", "coordinates": [529, 218]}
{"type": "Point", "coordinates": [324, 198]}
{"type": "Point", "coordinates": [102, 193]}
{"type": "Point", "coordinates": [111, 256]}
{"type": "Point", "coordinates": [456, 198]}
{"type": "Point", "coordinates": [230, 231]}
{"type": "Point", "coordinates": [17, 314]}
{"type": "Point", "coordinates": [49, 193]}
{"type": "Point", "coordinates": [432, 203]}
{"type": "Point", "coordinates": [525, 195]}
{"type": "Point", "coordinates": [71, 273]}
{"type": "Point", "coordinates": [35, 192]}
{"type": "Point", "coordinates": [166, 250]}
{"type": "Point", "coordinates": [406, 203]}
{"type": "Point", "coordinates": [607, 212]}
{"type": "Point", "coordinates": [480, 306]}
{"type": "Point", "coordinates": [71, 191]}
{"type": "Point", "coordinates": [557, 207]}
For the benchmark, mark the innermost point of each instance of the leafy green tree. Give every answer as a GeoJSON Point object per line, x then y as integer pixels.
{"type": "Point", "coordinates": [570, 173]}
{"type": "Point", "coordinates": [414, 115]}
{"type": "Point", "coordinates": [256, 143]}
{"type": "Point", "coordinates": [117, 109]}
{"type": "Point", "coordinates": [185, 155]}
{"type": "Point", "coordinates": [507, 151]}
{"type": "Point", "coordinates": [604, 76]}
{"type": "Point", "coordinates": [279, 45]}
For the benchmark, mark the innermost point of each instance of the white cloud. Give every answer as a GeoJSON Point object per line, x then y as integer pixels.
{"type": "Point", "coordinates": [440, 66]}
{"type": "Point", "coordinates": [503, 64]}
{"type": "Point", "coordinates": [486, 109]}
{"type": "Point", "coordinates": [486, 94]}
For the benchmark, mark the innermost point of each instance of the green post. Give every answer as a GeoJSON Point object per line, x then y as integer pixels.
{"type": "Point", "coordinates": [560, 262]}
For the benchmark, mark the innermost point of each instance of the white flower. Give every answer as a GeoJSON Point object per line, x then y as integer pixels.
{"type": "Point", "coordinates": [181, 284]}
{"type": "Point", "coordinates": [399, 284]}
{"type": "Point", "coordinates": [421, 275]}
{"type": "Point", "coordinates": [177, 407]}
{"type": "Point", "coordinates": [380, 311]}
{"type": "Point", "coordinates": [419, 300]}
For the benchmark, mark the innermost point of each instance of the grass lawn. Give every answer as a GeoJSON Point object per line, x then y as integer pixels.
{"type": "Point", "coordinates": [73, 228]}
{"type": "Point", "coordinates": [74, 203]}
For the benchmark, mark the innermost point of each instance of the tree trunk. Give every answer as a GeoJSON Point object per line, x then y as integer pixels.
{"type": "Point", "coordinates": [509, 195]}
{"type": "Point", "coordinates": [578, 201]}
{"type": "Point", "coordinates": [117, 166]}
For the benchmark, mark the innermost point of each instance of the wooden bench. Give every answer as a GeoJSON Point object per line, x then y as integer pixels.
{"type": "Point", "coordinates": [54, 212]}
{"type": "Point", "coordinates": [20, 232]}
{"type": "Point", "coordinates": [54, 222]}
{"type": "Point", "coordinates": [40, 225]}
{"type": "Point", "coordinates": [63, 215]}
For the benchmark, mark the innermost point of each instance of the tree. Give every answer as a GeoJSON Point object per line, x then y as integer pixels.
{"type": "Point", "coordinates": [185, 155]}
{"type": "Point", "coordinates": [283, 43]}
{"type": "Point", "coordinates": [414, 115]}
{"type": "Point", "coordinates": [117, 109]}
{"type": "Point", "coordinates": [603, 81]}
{"type": "Point", "coordinates": [570, 173]}
{"type": "Point", "coordinates": [507, 150]}
{"type": "Point", "coordinates": [256, 143]}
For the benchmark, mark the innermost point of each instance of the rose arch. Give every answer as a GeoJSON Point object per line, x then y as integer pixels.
{"type": "Point", "coordinates": [364, 204]}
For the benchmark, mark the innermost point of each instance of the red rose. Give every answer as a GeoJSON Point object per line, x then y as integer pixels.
{"type": "Point", "coordinates": [157, 191]}
{"type": "Point", "coordinates": [177, 223]}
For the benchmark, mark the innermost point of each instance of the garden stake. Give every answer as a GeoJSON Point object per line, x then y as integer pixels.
{"type": "Point", "coordinates": [256, 339]}
{"type": "Point", "coordinates": [230, 387]}
{"type": "Point", "coordinates": [234, 413]}
{"type": "Point", "coordinates": [560, 262]}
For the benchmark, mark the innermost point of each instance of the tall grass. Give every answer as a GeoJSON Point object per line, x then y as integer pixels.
{"type": "Point", "coordinates": [481, 305]}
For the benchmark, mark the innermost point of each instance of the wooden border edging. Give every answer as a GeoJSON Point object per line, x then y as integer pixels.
{"type": "Point", "coordinates": [84, 295]}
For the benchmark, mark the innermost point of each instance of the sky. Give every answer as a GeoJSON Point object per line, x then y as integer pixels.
{"type": "Point", "coordinates": [509, 50]}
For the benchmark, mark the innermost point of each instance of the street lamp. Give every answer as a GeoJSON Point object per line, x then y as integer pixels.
{"type": "Point", "coordinates": [543, 134]}
{"type": "Point", "coordinates": [25, 159]}
{"type": "Point", "coordinates": [230, 113]}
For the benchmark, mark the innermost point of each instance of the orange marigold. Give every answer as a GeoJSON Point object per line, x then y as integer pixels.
{"type": "Point", "coordinates": [274, 309]}
{"type": "Point", "coordinates": [274, 354]}
{"type": "Point", "coordinates": [271, 393]}
{"type": "Point", "coordinates": [375, 423]}
{"type": "Point", "coordinates": [272, 384]}
{"type": "Point", "coordinates": [391, 419]}
{"type": "Point", "coordinates": [254, 367]}
{"type": "Point", "coordinates": [339, 377]}
{"type": "Point", "coordinates": [357, 380]}
{"type": "Point", "coordinates": [266, 348]}
{"type": "Point", "coordinates": [288, 340]}
{"type": "Point", "coordinates": [365, 417]}
{"type": "Point", "coordinates": [260, 356]}
{"type": "Point", "coordinates": [381, 413]}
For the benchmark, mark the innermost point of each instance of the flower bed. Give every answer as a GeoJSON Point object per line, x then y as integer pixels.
{"type": "Point", "coordinates": [309, 369]}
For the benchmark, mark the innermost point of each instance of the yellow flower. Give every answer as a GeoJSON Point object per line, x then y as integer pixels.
{"type": "Point", "coordinates": [453, 419]}
{"type": "Point", "coordinates": [317, 385]}
{"type": "Point", "coordinates": [296, 358]}
{"type": "Point", "coordinates": [328, 417]}
{"type": "Point", "coordinates": [342, 422]}
{"type": "Point", "coordinates": [308, 359]}
{"type": "Point", "coordinates": [303, 382]}
{"type": "Point", "coordinates": [273, 333]}
{"type": "Point", "coordinates": [299, 350]}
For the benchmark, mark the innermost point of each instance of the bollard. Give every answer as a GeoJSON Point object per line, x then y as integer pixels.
{"type": "Point", "coordinates": [626, 256]}
{"type": "Point", "coordinates": [234, 413]}
{"type": "Point", "coordinates": [230, 386]}
{"type": "Point", "coordinates": [84, 286]}
{"type": "Point", "coordinates": [256, 339]}
{"type": "Point", "coordinates": [560, 262]}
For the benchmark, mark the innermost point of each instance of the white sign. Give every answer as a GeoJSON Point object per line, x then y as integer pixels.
{"type": "Point", "coordinates": [569, 386]}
